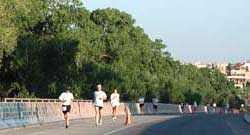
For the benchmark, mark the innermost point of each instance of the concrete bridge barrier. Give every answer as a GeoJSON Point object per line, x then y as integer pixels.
{"type": "Point", "coordinates": [22, 114]}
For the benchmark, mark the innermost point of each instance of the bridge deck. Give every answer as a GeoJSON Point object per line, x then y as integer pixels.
{"type": "Point", "coordinates": [215, 124]}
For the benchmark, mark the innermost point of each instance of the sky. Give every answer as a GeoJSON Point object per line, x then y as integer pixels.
{"type": "Point", "coordinates": [215, 31]}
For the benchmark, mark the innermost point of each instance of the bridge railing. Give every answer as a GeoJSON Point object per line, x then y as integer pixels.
{"type": "Point", "coordinates": [14, 100]}
{"type": "Point", "coordinates": [24, 112]}
{"type": "Point", "coordinates": [247, 109]}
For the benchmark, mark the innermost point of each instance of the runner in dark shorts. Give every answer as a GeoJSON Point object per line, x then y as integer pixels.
{"type": "Point", "coordinates": [141, 103]}
{"type": "Point", "coordinates": [99, 97]}
{"type": "Point", "coordinates": [155, 102]}
{"type": "Point", "coordinates": [66, 99]}
{"type": "Point", "coordinates": [66, 109]}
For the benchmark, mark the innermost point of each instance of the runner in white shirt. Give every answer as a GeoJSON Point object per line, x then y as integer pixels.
{"type": "Point", "coordinates": [155, 102]}
{"type": "Point", "coordinates": [99, 96]}
{"type": "Point", "coordinates": [66, 99]}
{"type": "Point", "coordinates": [195, 106]}
{"type": "Point", "coordinates": [141, 103]}
{"type": "Point", "coordinates": [214, 107]}
{"type": "Point", "coordinates": [115, 102]}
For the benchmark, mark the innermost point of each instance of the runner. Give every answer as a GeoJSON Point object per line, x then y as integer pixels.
{"type": "Point", "coordinates": [227, 108]}
{"type": "Point", "coordinates": [115, 97]}
{"type": "Point", "coordinates": [99, 96]}
{"type": "Point", "coordinates": [141, 103]}
{"type": "Point", "coordinates": [195, 106]}
{"type": "Point", "coordinates": [214, 107]}
{"type": "Point", "coordinates": [66, 99]}
{"type": "Point", "coordinates": [208, 107]}
{"type": "Point", "coordinates": [182, 107]}
{"type": "Point", "coordinates": [242, 108]}
{"type": "Point", "coordinates": [155, 102]}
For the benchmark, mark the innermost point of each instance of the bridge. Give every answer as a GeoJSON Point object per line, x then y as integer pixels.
{"type": "Point", "coordinates": [45, 118]}
{"type": "Point", "coordinates": [199, 124]}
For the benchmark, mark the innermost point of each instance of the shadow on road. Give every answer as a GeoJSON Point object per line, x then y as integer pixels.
{"type": "Point", "coordinates": [212, 124]}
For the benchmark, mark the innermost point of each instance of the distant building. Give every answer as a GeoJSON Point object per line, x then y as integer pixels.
{"type": "Point", "coordinates": [239, 73]}
{"type": "Point", "coordinates": [201, 65]}
{"type": "Point", "coordinates": [222, 67]}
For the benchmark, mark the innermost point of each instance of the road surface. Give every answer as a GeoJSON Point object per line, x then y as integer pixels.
{"type": "Point", "coordinates": [212, 124]}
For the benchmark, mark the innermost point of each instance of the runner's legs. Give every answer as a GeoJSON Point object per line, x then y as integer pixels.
{"type": "Point", "coordinates": [97, 113]}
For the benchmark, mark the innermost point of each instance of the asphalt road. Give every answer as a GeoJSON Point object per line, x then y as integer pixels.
{"type": "Point", "coordinates": [215, 124]}
{"type": "Point", "coordinates": [212, 124]}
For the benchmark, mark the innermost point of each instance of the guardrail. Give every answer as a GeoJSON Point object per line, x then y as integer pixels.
{"type": "Point", "coordinates": [25, 112]}
{"type": "Point", "coordinates": [14, 100]}
{"type": "Point", "coordinates": [22, 114]}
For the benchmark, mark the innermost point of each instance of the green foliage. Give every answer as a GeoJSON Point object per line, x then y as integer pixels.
{"type": "Point", "coordinates": [48, 45]}
{"type": "Point", "coordinates": [25, 94]}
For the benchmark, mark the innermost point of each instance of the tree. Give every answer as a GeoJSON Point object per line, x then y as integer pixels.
{"type": "Point", "coordinates": [48, 45]}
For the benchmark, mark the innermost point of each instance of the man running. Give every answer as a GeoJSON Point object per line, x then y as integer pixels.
{"type": "Point", "coordinates": [99, 96]}
{"type": "Point", "coordinates": [214, 107]}
{"type": "Point", "coordinates": [141, 104]}
{"type": "Point", "coordinates": [115, 97]}
{"type": "Point", "coordinates": [155, 102]}
{"type": "Point", "coordinates": [227, 108]}
{"type": "Point", "coordinates": [195, 106]}
{"type": "Point", "coordinates": [66, 99]}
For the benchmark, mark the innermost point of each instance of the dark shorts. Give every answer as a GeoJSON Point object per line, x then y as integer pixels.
{"type": "Point", "coordinates": [100, 107]}
{"type": "Point", "coordinates": [66, 109]}
{"type": "Point", "coordinates": [141, 105]}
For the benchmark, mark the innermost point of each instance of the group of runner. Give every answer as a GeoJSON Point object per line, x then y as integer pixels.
{"type": "Point", "coordinates": [99, 97]}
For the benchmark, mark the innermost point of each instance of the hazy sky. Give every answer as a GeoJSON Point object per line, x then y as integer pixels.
{"type": "Point", "coordinates": [194, 30]}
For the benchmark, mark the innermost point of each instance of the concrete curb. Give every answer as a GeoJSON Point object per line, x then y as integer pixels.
{"type": "Point", "coordinates": [247, 118]}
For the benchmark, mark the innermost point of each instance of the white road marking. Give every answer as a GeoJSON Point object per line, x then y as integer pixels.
{"type": "Point", "coordinates": [56, 128]}
{"type": "Point", "coordinates": [119, 129]}
{"type": "Point", "coordinates": [47, 131]}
